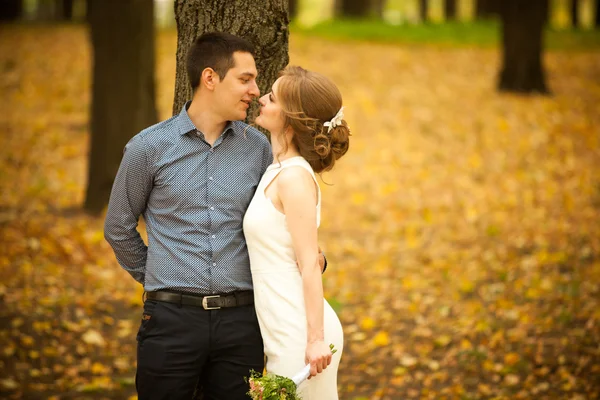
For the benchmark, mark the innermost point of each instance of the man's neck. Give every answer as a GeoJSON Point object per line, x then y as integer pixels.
{"type": "Point", "coordinates": [210, 124]}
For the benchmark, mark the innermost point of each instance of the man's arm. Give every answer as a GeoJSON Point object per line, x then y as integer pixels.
{"type": "Point", "coordinates": [128, 198]}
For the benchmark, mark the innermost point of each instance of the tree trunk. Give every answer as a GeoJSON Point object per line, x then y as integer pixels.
{"type": "Point", "coordinates": [66, 10]}
{"type": "Point", "coordinates": [450, 9]}
{"type": "Point", "coordinates": [486, 8]}
{"type": "Point", "coordinates": [264, 23]}
{"type": "Point", "coordinates": [123, 90]}
{"type": "Point", "coordinates": [597, 14]}
{"type": "Point", "coordinates": [423, 10]}
{"type": "Point", "coordinates": [574, 13]}
{"type": "Point", "coordinates": [10, 10]}
{"type": "Point", "coordinates": [522, 34]}
{"type": "Point", "coordinates": [354, 8]}
{"type": "Point", "coordinates": [292, 8]}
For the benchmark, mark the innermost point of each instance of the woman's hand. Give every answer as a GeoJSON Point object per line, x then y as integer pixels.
{"type": "Point", "coordinates": [318, 355]}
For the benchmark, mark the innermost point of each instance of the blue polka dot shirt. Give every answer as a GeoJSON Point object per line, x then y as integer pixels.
{"type": "Point", "coordinates": [193, 197]}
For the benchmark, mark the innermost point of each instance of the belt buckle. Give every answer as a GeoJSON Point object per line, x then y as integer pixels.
{"type": "Point", "coordinates": [205, 303]}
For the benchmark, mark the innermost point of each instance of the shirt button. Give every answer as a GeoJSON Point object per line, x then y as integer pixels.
{"type": "Point", "coordinates": [210, 178]}
{"type": "Point", "coordinates": [213, 236]}
{"type": "Point", "coordinates": [212, 150]}
{"type": "Point", "coordinates": [212, 208]}
{"type": "Point", "coordinates": [214, 264]}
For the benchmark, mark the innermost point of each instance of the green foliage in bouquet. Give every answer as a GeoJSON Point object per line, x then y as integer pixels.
{"type": "Point", "coordinates": [271, 387]}
{"type": "Point", "coordinates": [277, 387]}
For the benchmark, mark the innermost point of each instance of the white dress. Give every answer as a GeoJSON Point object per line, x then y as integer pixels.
{"type": "Point", "coordinates": [278, 292]}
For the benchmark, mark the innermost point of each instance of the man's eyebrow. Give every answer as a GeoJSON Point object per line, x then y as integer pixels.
{"type": "Point", "coordinates": [249, 74]}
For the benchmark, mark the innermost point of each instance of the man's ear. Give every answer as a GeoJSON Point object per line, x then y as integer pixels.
{"type": "Point", "coordinates": [209, 78]}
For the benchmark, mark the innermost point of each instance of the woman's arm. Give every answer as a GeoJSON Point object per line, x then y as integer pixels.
{"type": "Point", "coordinates": [298, 193]}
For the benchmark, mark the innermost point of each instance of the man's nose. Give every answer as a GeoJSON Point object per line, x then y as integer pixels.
{"type": "Point", "coordinates": [254, 90]}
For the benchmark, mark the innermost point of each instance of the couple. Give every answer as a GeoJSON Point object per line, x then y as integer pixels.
{"type": "Point", "coordinates": [232, 230]}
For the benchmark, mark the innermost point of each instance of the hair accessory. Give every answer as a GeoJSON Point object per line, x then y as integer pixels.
{"type": "Point", "coordinates": [335, 121]}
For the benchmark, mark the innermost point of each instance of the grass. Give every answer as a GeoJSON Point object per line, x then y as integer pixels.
{"type": "Point", "coordinates": [483, 33]}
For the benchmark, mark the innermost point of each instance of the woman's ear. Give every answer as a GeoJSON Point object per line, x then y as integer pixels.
{"type": "Point", "coordinates": [209, 78]}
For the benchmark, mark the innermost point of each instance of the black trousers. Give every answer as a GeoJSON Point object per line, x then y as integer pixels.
{"type": "Point", "coordinates": [184, 347]}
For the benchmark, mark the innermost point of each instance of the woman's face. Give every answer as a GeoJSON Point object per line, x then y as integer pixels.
{"type": "Point", "coordinates": [271, 117]}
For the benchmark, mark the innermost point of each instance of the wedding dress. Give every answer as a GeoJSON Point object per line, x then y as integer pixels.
{"type": "Point", "coordinates": [278, 291]}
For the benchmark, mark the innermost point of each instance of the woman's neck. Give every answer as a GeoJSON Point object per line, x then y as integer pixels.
{"type": "Point", "coordinates": [278, 150]}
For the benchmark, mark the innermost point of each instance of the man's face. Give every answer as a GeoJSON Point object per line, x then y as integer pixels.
{"type": "Point", "coordinates": [234, 92]}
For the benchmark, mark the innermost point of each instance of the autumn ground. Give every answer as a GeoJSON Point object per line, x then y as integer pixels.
{"type": "Point", "coordinates": [463, 227]}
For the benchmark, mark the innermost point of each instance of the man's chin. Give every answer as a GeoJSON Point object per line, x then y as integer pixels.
{"type": "Point", "coordinates": [239, 116]}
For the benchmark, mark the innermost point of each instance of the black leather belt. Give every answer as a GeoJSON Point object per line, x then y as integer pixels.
{"type": "Point", "coordinates": [212, 302]}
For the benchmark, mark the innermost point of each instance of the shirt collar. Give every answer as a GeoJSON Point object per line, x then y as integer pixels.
{"type": "Point", "coordinates": [185, 124]}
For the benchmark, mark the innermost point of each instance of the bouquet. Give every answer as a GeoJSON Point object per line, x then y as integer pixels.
{"type": "Point", "coordinates": [277, 387]}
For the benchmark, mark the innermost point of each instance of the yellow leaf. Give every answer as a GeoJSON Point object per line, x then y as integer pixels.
{"type": "Point", "coordinates": [466, 286]}
{"type": "Point", "coordinates": [443, 340]}
{"type": "Point", "coordinates": [50, 351]}
{"type": "Point", "coordinates": [434, 365]}
{"type": "Point", "coordinates": [136, 299]}
{"type": "Point", "coordinates": [399, 371]}
{"type": "Point", "coordinates": [511, 359]}
{"type": "Point", "coordinates": [93, 337]}
{"type": "Point", "coordinates": [408, 361]}
{"type": "Point", "coordinates": [367, 323]}
{"type": "Point", "coordinates": [512, 380]}
{"type": "Point", "coordinates": [27, 341]}
{"type": "Point", "coordinates": [9, 384]}
{"type": "Point", "coordinates": [358, 198]}
{"type": "Point", "coordinates": [381, 339]}
{"type": "Point", "coordinates": [98, 368]}
{"type": "Point", "coordinates": [17, 322]}
{"type": "Point", "coordinates": [488, 365]}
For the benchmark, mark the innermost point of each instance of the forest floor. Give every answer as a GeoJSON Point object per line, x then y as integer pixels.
{"type": "Point", "coordinates": [462, 227]}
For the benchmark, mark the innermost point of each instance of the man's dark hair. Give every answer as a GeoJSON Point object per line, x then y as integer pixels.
{"type": "Point", "coordinates": [214, 50]}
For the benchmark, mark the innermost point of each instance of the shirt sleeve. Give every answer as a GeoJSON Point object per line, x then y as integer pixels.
{"type": "Point", "coordinates": [128, 199]}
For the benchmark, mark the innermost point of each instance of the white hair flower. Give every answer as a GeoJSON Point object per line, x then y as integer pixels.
{"type": "Point", "coordinates": [335, 121]}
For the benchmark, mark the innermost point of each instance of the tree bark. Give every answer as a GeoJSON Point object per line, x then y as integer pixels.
{"type": "Point", "coordinates": [264, 23]}
{"type": "Point", "coordinates": [423, 10]}
{"type": "Point", "coordinates": [486, 8]}
{"type": "Point", "coordinates": [522, 40]}
{"type": "Point", "coordinates": [450, 9]}
{"type": "Point", "coordinates": [597, 14]}
{"type": "Point", "coordinates": [66, 9]}
{"type": "Point", "coordinates": [10, 10]}
{"type": "Point", "coordinates": [574, 13]}
{"type": "Point", "coordinates": [123, 89]}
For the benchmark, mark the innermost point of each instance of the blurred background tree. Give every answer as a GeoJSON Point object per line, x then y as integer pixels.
{"type": "Point", "coordinates": [123, 87]}
{"type": "Point", "coordinates": [522, 44]}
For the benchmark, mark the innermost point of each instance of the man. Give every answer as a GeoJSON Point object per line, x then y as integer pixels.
{"type": "Point", "coordinates": [192, 178]}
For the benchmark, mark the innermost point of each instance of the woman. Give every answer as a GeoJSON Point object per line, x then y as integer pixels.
{"type": "Point", "coordinates": [303, 113]}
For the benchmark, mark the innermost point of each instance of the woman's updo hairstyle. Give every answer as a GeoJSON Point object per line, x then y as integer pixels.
{"type": "Point", "coordinates": [309, 100]}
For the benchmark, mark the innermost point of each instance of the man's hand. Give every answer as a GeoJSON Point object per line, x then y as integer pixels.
{"type": "Point", "coordinates": [322, 260]}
